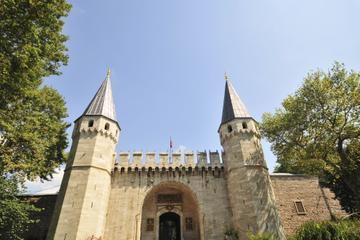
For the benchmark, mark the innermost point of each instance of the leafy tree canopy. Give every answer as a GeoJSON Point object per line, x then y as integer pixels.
{"type": "Point", "coordinates": [14, 214]}
{"type": "Point", "coordinates": [317, 132]}
{"type": "Point", "coordinates": [32, 124]}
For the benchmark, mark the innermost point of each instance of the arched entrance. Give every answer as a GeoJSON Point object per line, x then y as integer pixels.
{"type": "Point", "coordinates": [169, 226]}
{"type": "Point", "coordinates": [170, 212]}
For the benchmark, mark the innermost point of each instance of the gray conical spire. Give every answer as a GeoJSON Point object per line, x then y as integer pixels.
{"type": "Point", "coordinates": [233, 106]}
{"type": "Point", "coordinates": [103, 103]}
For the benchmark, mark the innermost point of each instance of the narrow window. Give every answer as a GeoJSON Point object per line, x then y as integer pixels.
{"type": "Point", "coordinates": [300, 209]}
{"type": "Point", "coordinates": [91, 123]}
{"type": "Point", "coordinates": [107, 126]}
{"type": "Point", "coordinates": [189, 224]}
{"type": "Point", "coordinates": [244, 125]}
{"type": "Point", "coordinates": [150, 224]}
{"type": "Point", "coordinates": [229, 127]}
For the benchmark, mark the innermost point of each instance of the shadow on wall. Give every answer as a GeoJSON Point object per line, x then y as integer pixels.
{"type": "Point", "coordinates": [38, 231]}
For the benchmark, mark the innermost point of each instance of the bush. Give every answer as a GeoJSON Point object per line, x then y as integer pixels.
{"type": "Point", "coordinates": [329, 230]}
{"type": "Point", "coordinates": [231, 234]}
{"type": "Point", "coordinates": [261, 236]}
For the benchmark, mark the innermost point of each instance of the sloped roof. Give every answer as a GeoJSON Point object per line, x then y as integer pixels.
{"type": "Point", "coordinates": [233, 106]}
{"type": "Point", "coordinates": [102, 103]}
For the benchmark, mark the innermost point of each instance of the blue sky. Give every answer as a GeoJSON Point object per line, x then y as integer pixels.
{"type": "Point", "coordinates": [168, 59]}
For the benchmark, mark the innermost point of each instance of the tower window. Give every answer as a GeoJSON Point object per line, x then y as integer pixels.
{"type": "Point", "coordinates": [150, 224]}
{"type": "Point", "coordinates": [107, 126]}
{"type": "Point", "coordinates": [91, 123]}
{"type": "Point", "coordinates": [300, 209]}
{"type": "Point", "coordinates": [244, 125]}
{"type": "Point", "coordinates": [229, 128]}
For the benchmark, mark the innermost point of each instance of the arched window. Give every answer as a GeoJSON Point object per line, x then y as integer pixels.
{"type": "Point", "coordinates": [229, 128]}
{"type": "Point", "coordinates": [91, 123]}
{"type": "Point", "coordinates": [107, 126]}
{"type": "Point", "coordinates": [244, 125]}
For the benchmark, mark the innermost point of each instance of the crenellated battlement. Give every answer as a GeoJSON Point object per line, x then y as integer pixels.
{"type": "Point", "coordinates": [130, 195]}
{"type": "Point", "coordinates": [164, 161]}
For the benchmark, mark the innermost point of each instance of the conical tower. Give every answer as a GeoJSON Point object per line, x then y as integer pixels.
{"type": "Point", "coordinates": [82, 202]}
{"type": "Point", "coordinates": [250, 192]}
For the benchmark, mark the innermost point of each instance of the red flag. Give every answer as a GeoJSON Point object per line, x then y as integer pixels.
{"type": "Point", "coordinates": [171, 143]}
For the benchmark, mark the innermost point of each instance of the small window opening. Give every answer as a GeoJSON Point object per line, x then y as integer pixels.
{"type": "Point", "coordinates": [189, 224]}
{"type": "Point", "coordinates": [244, 125]}
{"type": "Point", "coordinates": [229, 127]}
{"type": "Point", "coordinates": [91, 123]}
{"type": "Point", "coordinates": [150, 224]}
{"type": "Point", "coordinates": [107, 126]}
{"type": "Point", "coordinates": [300, 209]}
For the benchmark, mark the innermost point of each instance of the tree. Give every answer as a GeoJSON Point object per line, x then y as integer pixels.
{"type": "Point", "coordinates": [14, 214]}
{"type": "Point", "coordinates": [32, 115]}
{"type": "Point", "coordinates": [317, 132]}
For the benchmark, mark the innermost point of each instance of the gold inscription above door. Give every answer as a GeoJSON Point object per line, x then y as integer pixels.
{"type": "Point", "coordinates": [169, 198]}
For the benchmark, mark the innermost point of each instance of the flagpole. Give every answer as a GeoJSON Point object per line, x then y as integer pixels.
{"type": "Point", "coordinates": [171, 151]}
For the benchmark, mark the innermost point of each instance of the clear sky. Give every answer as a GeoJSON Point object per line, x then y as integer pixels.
{"type": "Point", "coordinates": [168, 58]}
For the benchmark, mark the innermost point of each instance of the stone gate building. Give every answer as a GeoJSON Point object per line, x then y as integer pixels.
{"type": "Point", "coordinates": [189, 196]}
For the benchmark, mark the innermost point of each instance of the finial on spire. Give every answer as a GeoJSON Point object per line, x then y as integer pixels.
{"type": "Point", "coordinates": [108, 73]}
{"type": "Point", "coordinates": [226, 76]}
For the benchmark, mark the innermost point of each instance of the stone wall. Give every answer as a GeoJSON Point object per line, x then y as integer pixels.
{"type": "Point", "coordinates": [129, 189]}
{"type": "Point", "coordinates": [251, 197]}
{"type": "Point", "coordinates": [83, 197]}
{"type": "Point", "coordinates": [318, 203]}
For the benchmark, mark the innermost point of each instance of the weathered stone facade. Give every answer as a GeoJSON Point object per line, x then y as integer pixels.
{"type": "Point", "coordinates": [203, 191]}
{"type": "Point", "coordinates": [319, 203]}
{"type": "Point", "coordinates": [125, 222]}
{"type": "Point", "coordinates": [178, 196]}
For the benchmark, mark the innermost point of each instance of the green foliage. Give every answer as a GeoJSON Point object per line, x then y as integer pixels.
{"type": "Point", "coordinates": [231, 234]}
{"type": "Point", "coordinates": [32, 125]}
{"type": "Point", "coordinates": [317, 132]}
{"type": "Point", "coordinates": [31, 115]}
{"type": "Point", "coordinates": [261, 236]}
{"type": "Point", "coordinates": [14, 214]}
{"type": "Point", "coordinates": [342, 230]}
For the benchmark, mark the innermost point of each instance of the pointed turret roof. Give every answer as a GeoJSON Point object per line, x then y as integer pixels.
{"type": "Point", "coordinates": [102, 103]}
{"type": "Point", "coordinates": [233, 106]}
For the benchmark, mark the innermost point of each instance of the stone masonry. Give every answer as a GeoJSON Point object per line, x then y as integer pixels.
{"type": "Point", "coordinates": [287, 189]}
{"type": "Point", "coordinates": [178, 196]}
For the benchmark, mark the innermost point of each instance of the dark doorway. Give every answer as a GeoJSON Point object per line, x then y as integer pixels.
{"type": "Point", "coordinates": [169, 227]}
